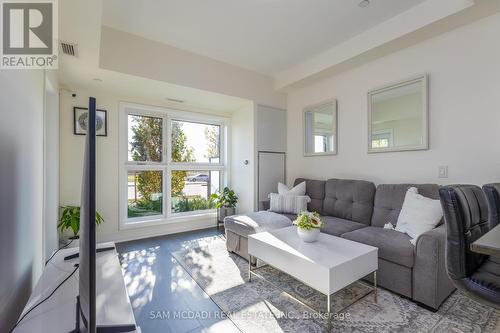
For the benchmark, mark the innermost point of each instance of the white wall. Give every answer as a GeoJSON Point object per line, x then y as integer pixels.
{"type": "Point", "coordinates": [71, 159]}
{"type": "Point", "coordinates": [243, 148]}
{"type": "Point", "coordinates": [127, 53]}
{"type": "Point", "coordinates": [464, 84]}
{"type": "Point", "coordinates": [21, 197]}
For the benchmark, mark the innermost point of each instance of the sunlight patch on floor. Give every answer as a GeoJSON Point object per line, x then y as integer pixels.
{"type": "Point", "coordinates": [139, 276]}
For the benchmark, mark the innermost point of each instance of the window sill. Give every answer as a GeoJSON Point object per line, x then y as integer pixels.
{"type": "Point", "coordinates": [175, 218]}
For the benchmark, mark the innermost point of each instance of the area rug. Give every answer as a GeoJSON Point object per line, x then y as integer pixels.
{"type": "Point", "coordinates": [265, 306]}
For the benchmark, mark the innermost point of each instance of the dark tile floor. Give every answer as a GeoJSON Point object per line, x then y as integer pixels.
{"type": "Point", "coordinates": [164, 297]}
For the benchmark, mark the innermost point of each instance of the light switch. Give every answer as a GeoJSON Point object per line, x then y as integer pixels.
{"type": "Point", "coordinates": [443, 171]}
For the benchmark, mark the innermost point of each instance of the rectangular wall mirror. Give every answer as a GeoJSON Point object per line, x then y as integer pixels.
{"type": "Point", "coordinates": [320, 129]}
{"type": "Point", "coordinates": [397, 117]}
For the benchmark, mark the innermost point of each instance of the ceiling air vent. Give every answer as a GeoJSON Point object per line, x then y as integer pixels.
{"type": "Point", "coordinates": [69, 49]}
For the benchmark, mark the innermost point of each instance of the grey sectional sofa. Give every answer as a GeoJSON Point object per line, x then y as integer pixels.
{"type": "Point", "coordinates": [356, 210]}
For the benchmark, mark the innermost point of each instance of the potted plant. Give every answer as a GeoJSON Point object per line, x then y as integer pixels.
{"type": "Point", "coordinates": [308, 226]}
{"type": "Point", "coordinates": [70, 219]}
{"type": "Point", "coordinates": [225, 202]}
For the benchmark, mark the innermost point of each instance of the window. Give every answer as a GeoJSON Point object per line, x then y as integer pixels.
{"type": "Point", "coordinates": [195, 142]}
{"type": "Point", "coordinates": [145, 138]}
{"type": "Point", "coordinates": [382, 138]}
{"type": "Point", "coordinates": [172, 162]}
{"type": "Point", "coordinates": [380, 143]}
{"type": "Point", "coordinates": [323, 143]}
{"type": "Point", "coordinates": [191, 190]}
{"type": "Point", "coordinates": [144, 193]}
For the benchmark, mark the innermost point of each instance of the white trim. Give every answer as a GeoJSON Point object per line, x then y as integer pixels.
{"type": "Point", "coordinates": [171, 229]}
{"type": "Point", "coordinates": [187, 115]}
{"type": "Point", "coordinates": [172, 220]}
{"type": "Point", "coordinates": [44, 167]}
{"type": "Point", "coordinates": [166, 166]}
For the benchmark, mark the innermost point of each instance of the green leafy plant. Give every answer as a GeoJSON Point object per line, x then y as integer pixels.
{"type": "Point", "coordinates": [145, 207]}
{"type": "Point", "coordinates": [70, 219]}
{"type": "Point", "coordinates": [308, 221]}
{"type": "Point", "coordinates": [226, 198]}
{"type": "Point", "coordinates": [191, 204]}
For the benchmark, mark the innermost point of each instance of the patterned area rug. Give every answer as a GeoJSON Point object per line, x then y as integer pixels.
{"type": "Point", "coordinates": [259, 306]}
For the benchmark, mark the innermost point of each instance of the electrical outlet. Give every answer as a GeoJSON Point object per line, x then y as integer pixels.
{"type": "Point", "coordinates": [443, 171]}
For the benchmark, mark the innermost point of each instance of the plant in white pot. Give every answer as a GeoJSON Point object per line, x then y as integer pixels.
{"type": "Point", "coordinates": [308, 226]}
{"type": "Point", "coordinates": [225, 202]}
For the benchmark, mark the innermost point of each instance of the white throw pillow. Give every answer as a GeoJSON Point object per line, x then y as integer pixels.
{"type": "Point", "coordinates": [402, 222]}
{"type": "Point", "coordinates": [418, 214]}
{"type": "Point", "coordinates": [288, 204]}
{"type": "Point", "coordinates": [300, 189]}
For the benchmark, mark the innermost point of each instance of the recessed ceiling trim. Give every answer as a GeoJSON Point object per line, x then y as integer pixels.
{"type": "Point", "coordinates": [287, 33]}
{"type": "Point", "coordinates": [399, 26]}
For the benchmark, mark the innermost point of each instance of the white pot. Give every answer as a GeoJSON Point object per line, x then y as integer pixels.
{"type": "Point", "coordinates": [308, 236]}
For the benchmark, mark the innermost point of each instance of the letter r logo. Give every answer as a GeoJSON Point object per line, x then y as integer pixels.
{"type": "Point", "coordinates": [27, 27]}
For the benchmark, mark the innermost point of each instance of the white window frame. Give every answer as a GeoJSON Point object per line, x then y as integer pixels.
{"type": "Point", "coordinates": [166, 166]}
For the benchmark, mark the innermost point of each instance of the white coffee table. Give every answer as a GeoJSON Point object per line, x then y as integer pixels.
{"type": "Point", "coordinates": [328, 265]}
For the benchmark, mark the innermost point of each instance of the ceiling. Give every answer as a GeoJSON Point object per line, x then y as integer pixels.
{"type": "Point", "coordinates": [266, 36]}
{"type": "Point", "coordinates": [137, 89]}
{"type": "Point", "coordinates": [79, 23]}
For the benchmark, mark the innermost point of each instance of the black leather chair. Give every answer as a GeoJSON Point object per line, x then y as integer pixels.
{"type": "Point", "coordinates": [492, 192]}
{"type": "Point", "coordinates": [466, 219]}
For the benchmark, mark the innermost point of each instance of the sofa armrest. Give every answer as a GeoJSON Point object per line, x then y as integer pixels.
{"type": "Point", "coordinates": [431, 284]}
{"type": "Point", "coordinates": [264, 205]}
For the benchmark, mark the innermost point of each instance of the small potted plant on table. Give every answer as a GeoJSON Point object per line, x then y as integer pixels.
{"type": "Point", "coordinates": [70, 219]}
{"type": "Point", "coordinates": [308, 226]}
{"type": "Point", "coordinates": [225, 202]}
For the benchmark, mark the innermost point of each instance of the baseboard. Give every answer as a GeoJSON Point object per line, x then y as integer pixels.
{"type": "Point", "coordinates": [174, 228]}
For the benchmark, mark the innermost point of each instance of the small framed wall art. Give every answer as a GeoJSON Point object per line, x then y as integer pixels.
{"type": "Point", "coordinates": [81, 118]}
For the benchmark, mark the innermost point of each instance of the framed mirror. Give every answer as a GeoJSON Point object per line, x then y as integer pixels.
{"type": "Point", "coordinates": [398, 117]}
{"type": "Point", "coordinates": [320, 129]}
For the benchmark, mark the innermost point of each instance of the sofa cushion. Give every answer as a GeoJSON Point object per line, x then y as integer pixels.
{"type": "Point", "coordinates": [315, 189]}
{"type": "Point", "coordinates": [349, 199]}
{"type": "Point", "coordinates": [392, 245]}
{"type": "Point", "coordinates": [292, 217]}
{"type": "Point", "coordinates": [389, 199]}
{"type": "Point", "coordinates": [252, 223]}
{"type": "Point", "coordinates": [337, 226]}
{"type": "Point", "coordinates": [288, 204]}
{"type": "Point", "coordinates": [297, 190]}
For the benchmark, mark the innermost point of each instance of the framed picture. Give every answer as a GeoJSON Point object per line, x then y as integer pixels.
{"type": "Point", "coordinates": [81, 116]}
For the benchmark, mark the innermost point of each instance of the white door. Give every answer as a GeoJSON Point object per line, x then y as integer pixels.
{"type": "Point", "coordinates": [271, 170]}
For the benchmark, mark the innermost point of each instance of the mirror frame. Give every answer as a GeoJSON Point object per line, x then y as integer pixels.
{"type": "Point", "coordinates": [425, 119]}
{"type": "Point", "coordinates": [336, 117]}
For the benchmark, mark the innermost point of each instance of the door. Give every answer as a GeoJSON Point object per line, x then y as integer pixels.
{"type": "Point", "coordinates": [271, 170]}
